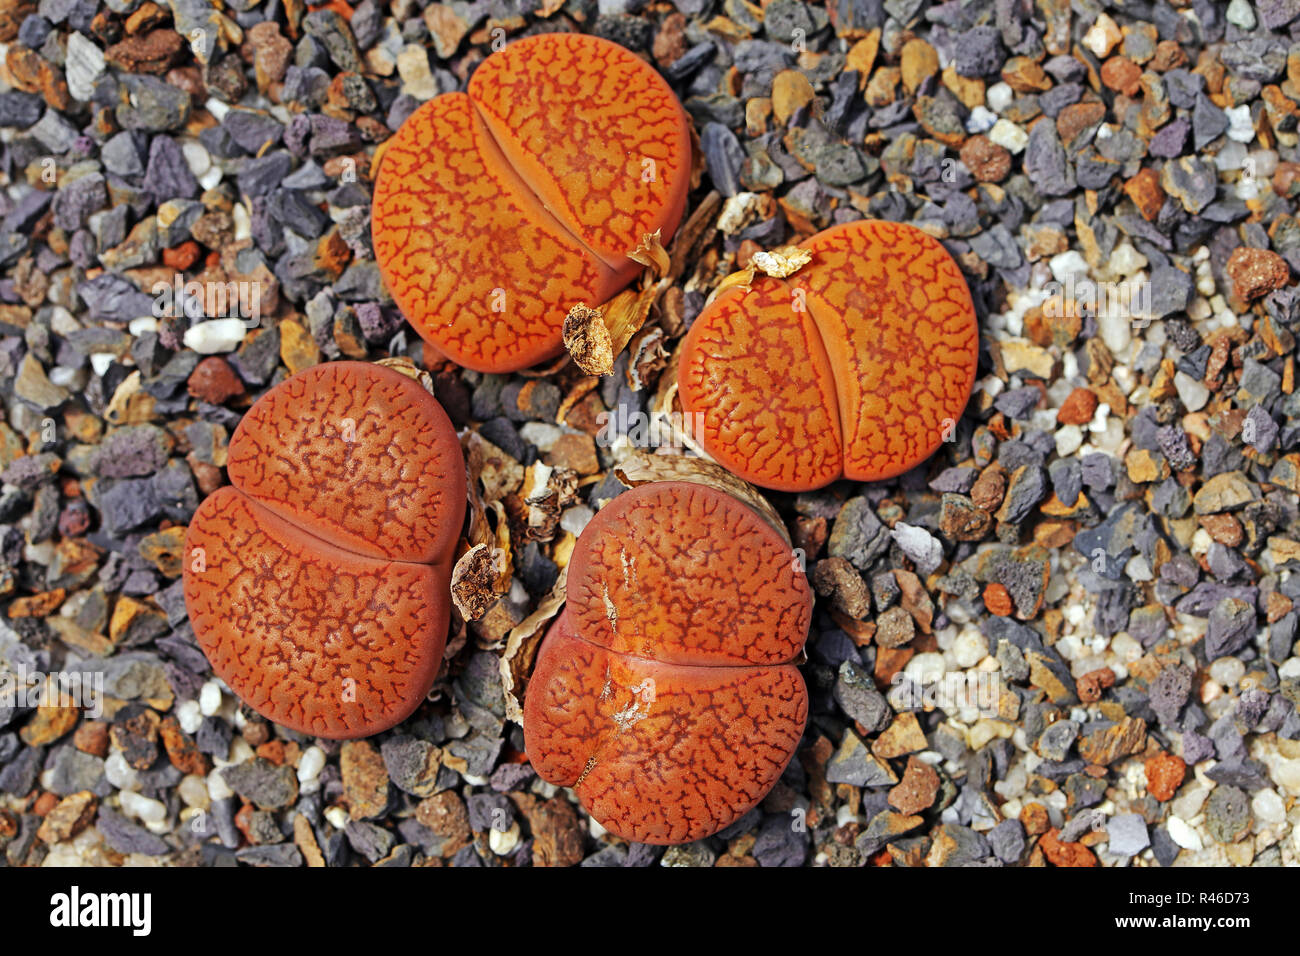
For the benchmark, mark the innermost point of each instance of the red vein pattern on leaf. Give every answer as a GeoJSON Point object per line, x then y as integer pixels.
{"type": "Point", "coordinates": [898, 345]}
{"type": "Point", "coordinates": [316, 583]}
{"type": "Point", "coordinates": [357, 454]}
{"type": "Point", "coordinates": [586, 125]}
{"type": "Point", "coordinates": [495, 211]}
{"type": "Point", "coordinates": [662, 753]}
{"type": "Point", "coordinates": [792, 439]}
{"type": "Point", "coordinates": [471, 258]}
{"type": "Point", "coordinates": [665, 693]}
{"type": "Point", "coordinates": [906, 342]}
{"type": "Point", "coordinates": [315, 637]}
{"type": "Point", "coordinates": [681, 573]}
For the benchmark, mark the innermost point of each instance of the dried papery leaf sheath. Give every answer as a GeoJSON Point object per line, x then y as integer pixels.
{"type": "Point", "coordinates": [666, 693]}
{"type": "Point", "coordinates": [856, 366]}
{"type": "Point", "coordinates": [317, 584]}
{"type": "Point", "coordinates": [497, 209]}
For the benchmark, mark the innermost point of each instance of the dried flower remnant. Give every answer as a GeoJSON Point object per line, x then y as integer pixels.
{"type": "Point", "coordinates": [587, 338]}
{"type": "Point", "coordinates": [781, 263]}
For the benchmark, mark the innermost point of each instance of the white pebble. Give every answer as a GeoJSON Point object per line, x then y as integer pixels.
{"type": "Point", "coordinates": [1126, 260]}
{"type": "Point", "coordinates": [1009, 136]}
{"type": "Point", "coordinates": [1227, 671]}
{"type": "Point", "coordinates": [1138, 569]}
{"type": "Point", "coordinates": [503, 842]}
{"type": "Point", "coordinates": [1069, 438]}
{"type": "Point", "coordinates": [84, 64]}
{"type": "Point", "coordinates": [243, 222]}
{"type": "Point", "coordinates": [1241, 14]}
{"type": "Point", "coordinates": [999, 96]}
{"type": "Point", "coordinates": [218, 335]}
{"type": "Point", "coordinates": [218, 789]}
{"type": "Point", "coordinates": [142, 325]}
{"type": "Point", "coordinates": [101, 362]}
{"type": "Point", "coordinates": [1286, 774]}
{"type": "Point", "coordinates": [925, 668]}
{"type": "Point", "coordinates": [1191, 393]}
{"type": "Point", "coordinates": [144, 808]}
{"type": "Point", "coordinates": [1240, 126]}
{"type": "Point", "coordinates": [1268, 807]}
{"type": "Point", "coordinates": [1183, 835]}
{"type": "Point", "coordinates": [311, 764]}
{"type": "Point", "coordinates": [197, 158]}
{"type": "Point", "coordinates": [73, 378]}
{"type": "Point", "coordinates": [210, 699]}
{"type": "Point", "coordinates": [970, 648]}
{"type": "Point", "coordinates": [574, 519]}
{"type": "Point", "coordinates": [337, 816]}
{"type": "Point", "coordinates": [1189, 803]}
{"type": "Point", "coordinates": [193, 789]}
{"type": "Point", "coordinates": [981, 120]}
{"type": "Point", "coordinates": [417, 79]}
{"type": "Point", "coordinates": [120, 773]}
{"type": "Point", "coordinates": [189, 716]}
{"type": "Point", "coordinates": [1116, 330]}
{"type": "Point", "coordinates": [1069, 264]}
{"type": "Point", "coordinates": [542, 434]}
{"type": "Point", "coordinates": [1125, 647]}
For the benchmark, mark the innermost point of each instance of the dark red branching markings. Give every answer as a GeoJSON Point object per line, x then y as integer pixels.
{"type": "Point", "coordinates": [666, 693]}
{"type": "Point", "coordinates": [496, 210]}
{"type": "Point", "coordinates": [893, 363]}
{"type": "Point", "coordinates": [317, 582]}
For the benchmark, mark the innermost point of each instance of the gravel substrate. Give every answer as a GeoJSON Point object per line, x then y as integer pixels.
{"type": "Point", "coordinates": [1103, 558]}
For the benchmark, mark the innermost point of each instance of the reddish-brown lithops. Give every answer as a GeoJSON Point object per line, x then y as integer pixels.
{"type": "Point", "coordinates": [498, 209]}
{"type": "Point", "coordinates": [856, 366]}
{"type": "Point", "coordinates": [666, 694]}
{"type": "Point", "coordinates": [318, 583]}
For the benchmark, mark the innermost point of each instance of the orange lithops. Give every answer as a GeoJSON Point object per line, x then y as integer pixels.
{"type": "Point", "coordinates": [856, 366]}
{"type": "Point", "coordinates": [666, 694]}
{"type": "Point", "coordinates": [497, 209]}
{"type": "Point", "coordinates": [317, 584]}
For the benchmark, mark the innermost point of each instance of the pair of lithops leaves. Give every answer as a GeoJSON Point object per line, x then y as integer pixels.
{"type": "Point", "coordinates": [498, 209]}
{"type": "Point", "coordinates": [317, 584]}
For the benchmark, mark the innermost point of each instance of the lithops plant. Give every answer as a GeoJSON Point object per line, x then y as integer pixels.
{"type": "Point", "coordinates": [497, 209]}
{"type": "Point", "coordinates": [317, 583]}
{"type": "Point", "coordinates": [666, 694]}
{"type": "Point", "coordinates": [858, 365]}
